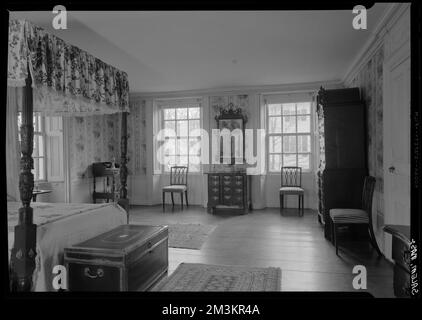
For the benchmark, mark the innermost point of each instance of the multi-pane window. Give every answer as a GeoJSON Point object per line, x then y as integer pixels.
{"type": "Point", "coordinates": [289, 135]}
{"type": "Point", "coordinates": [182, 148]}
{"type": "Point", "coordinates": [39, 150]}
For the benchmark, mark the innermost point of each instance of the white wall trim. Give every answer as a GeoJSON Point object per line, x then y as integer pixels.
{"type": "Point", "coordinates": [376, 39]}
{"type": "Point", "coordinates": [293, 87]}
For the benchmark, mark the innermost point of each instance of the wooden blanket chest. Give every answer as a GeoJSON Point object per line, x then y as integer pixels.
{"type": "Point", "coordinates": [127, 258]}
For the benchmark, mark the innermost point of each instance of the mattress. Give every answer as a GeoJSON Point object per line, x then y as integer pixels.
{"type": "Point", "coordinates": [61, 225]}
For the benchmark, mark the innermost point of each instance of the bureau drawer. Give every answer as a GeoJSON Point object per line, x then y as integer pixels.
{"type": "Point", "coordinates": [401, 282]}
{"type": "Point", "coordinates": [401, 253]}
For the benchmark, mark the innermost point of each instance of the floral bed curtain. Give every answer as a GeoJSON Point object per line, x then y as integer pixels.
{"type": "Point", "coordinates": [66, 79]}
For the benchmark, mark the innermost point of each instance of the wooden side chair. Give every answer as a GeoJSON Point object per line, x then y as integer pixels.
{"type": "Point", "coordinates": [178, 184]}
{"type": "Point", "coordinates": [291, 184]}
{"type": "Point", "coordinates": [346, 217]}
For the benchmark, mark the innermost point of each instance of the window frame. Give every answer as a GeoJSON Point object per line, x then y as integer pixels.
{"type": "Point", "coordinates": [182, 104]}
{"type": "Point", "coordinates": [41, 133]}
{"type": "Point", "coordinates": [311, 153]}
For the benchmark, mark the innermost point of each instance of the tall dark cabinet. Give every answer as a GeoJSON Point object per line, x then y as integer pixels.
{"type": "Point", "coordinates": [342, 151]}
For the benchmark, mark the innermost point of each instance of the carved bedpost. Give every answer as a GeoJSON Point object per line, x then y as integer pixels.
{"type": "Point", "coordinates": [123, 200]}
{"type": "Point", "coordinates": [24, 250]}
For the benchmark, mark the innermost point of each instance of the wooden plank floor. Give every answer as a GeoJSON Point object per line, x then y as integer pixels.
{"type": "Point", "coordinates": [264, 238]}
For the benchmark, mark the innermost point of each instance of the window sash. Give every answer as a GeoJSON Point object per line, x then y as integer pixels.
{"type": "Point", "coordinates": [186, 137]}
{"type": "Point", "coordinates": [296, 134]}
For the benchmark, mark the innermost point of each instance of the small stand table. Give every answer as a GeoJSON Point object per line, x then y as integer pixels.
{"type": "Point", "coordinates": [37, 192]}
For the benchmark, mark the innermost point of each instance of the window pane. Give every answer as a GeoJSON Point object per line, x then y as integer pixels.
{"type": "Point", "coordinates": [41, 174]}
{"type": "Point", "coordinates": [182, 113]}
{"type": "Point", "coordinates": [274, 125]}
{"type": "Point", "coordinates": [194, 126]}
{"type": "Point", "coordinates": [170, 125]}
{"type": "Point", "coordinates": [304, 143]}
{"type": "Point", "coordinates": [274, 109]}
{"type": "Point", "coordinates": [169, 114]}
{"type": "Point", "coordinates": [182, 128]}
{"type": "Point", "coordinates": [275, 144]}
{"type": "Point", "coordinates": [41, 146]}
{"type": "Point", "coordinates": [194, 160]}
{"type": "Point", "coordinates": [304, 124]}
{"type": "Point", "coordinates": [183, 161]}
{"type": "Point", "coordinates": [194, 167]}
{"type": "Point", "coordinates": [303, 161]}
{"type": "Point", "coordinates": [194, 113]}
{"type": "Point", "coordinates": [194, 146]}
{"type": "Point", "coordinates": [289, 124]}
{"type": "Point", "coordinates": [289, 109]}
{"type": "Point", "coordinates": [169, 161]}
{"type": "Point", "coordinates": [170, 146]}
{"type": "Point", "coordinates": [304, 108]}
{"type": "Point", "coordinates": [289, 144]}
{"type": "Point", "coordinates": [275, 162]}
{"type": "Point", "coordinates": [289, 160]}
{"type": "Point", "coordinates": [182, 148]}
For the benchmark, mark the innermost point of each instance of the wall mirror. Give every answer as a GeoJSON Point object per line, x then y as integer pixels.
{"type": "Point", "coordinates": [232, 150]}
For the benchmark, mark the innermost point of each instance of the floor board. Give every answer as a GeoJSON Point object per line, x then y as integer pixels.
{"type": "Point", "coordinates": [264, 238]}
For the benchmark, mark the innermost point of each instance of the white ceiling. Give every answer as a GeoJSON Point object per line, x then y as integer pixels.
{"type": "Point", "coordinates": [172, 51]}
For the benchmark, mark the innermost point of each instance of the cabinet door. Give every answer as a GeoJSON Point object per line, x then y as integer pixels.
{"type": "Point", "coordinates": [213, 190]}
{"type": "Point", "coordinates": [345, 136]}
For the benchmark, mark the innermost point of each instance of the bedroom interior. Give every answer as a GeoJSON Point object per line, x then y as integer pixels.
{"type": "Point", "coordinates": [100, 128]}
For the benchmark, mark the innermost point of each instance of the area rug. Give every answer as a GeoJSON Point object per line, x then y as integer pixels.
{"type": "Point", "coordinates": [188, 236]}
{"type": "Point", "coordinates": [205, 277]}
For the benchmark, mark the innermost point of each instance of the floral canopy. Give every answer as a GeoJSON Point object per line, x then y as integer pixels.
{"type": "Point", "coordinates": [66, 80]}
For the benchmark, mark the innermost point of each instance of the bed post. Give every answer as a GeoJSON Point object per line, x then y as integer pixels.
{"type": "Point", "coordinates": [24, 250]}
{"type": "Point", "coordinates": [123, 200]}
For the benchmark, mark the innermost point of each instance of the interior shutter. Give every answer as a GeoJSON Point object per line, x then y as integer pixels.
{"type": "Point", "coordinates": [54, 143]}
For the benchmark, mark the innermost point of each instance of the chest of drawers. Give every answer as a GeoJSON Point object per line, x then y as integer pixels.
{"type": "Point", "coordinates": [229, 190]}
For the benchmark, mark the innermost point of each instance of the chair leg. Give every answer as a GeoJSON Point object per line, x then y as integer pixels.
{"type": "Point", "coordinates": [172, 199]}
{"type": "Point", "coordinates": [181, 198]}
{"type": "Point", "coordinates": [281, 203]}
{"type": "Point", "coordinates": [186, 196]}
{"type": "Point", "coordinates": [335, 238]}
{"type": "Point", "coordinates": [303, 204]}
{"type": "Point", "coordinates": [373, 241]}
{"type": "Point", "coordinates": [164, 198]}
{"type": "Point", "coordinates": [298, 198]}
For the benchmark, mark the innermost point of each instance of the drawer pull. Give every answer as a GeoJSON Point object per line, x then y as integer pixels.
{"type": "Point", "coordinates": [99, 273]}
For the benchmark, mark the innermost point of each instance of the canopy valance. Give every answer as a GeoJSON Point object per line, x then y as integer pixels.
{"type": "Point", "coordinates": [66, 80]}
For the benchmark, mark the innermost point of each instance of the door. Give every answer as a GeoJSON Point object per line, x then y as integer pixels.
{"type": "Point", "coordinates": [397, 140]}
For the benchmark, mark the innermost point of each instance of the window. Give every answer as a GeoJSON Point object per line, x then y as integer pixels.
{"type": "Point", "coordinates": [48, 147]}
{"type": "Point", "coordinates": [183, 148]}
{"type": "Point", "coordinates": [289, 135]}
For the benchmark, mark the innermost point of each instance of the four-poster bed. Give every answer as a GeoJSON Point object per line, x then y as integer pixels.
{"type": "Point", "coordinates": [57, 79]}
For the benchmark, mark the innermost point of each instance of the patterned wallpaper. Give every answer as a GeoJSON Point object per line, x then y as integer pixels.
{"type": "Point", "coordinates": [370, 81]}
{"type": "Point", "coordinates": [136, 126]}
{"type": "Point", "coordinates": [92, 139]}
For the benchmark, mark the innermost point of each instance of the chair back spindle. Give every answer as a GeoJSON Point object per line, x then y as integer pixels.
{"type": "Point", "coordinates": [291, 177]}
{"type": "Point", "coordinates": [179, 175]}
{"type": "Point", "coordinates": [368, 191]}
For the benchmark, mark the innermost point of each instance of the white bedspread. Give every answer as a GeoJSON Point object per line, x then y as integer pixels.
{"type": "Point", "coordinates": [61, 225]}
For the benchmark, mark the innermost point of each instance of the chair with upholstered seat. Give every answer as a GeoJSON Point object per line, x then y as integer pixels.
{"type": "Point", "coordinates": [291, 184]}
{"type": "Point", "coordinates": [178, 184]}
{"type": "Point", "coordinates": [347, 217]}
